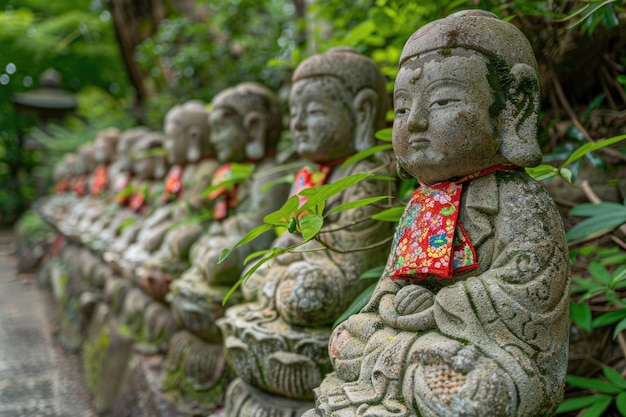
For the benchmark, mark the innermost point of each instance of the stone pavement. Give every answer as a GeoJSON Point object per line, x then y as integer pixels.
{"type": "Point", "coordinates": [37, 376]}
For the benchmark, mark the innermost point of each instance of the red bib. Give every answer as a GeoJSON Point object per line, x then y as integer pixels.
{"type": "Point", "coordinates": [429, 239]}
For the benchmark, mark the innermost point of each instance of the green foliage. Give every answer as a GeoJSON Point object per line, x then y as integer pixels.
{"type": "Point", "coordinates": [611, 389]}
{"type": "Point", "coordinates": [75, 38]}
{"type": "Point", "coordinates": [602, 217]}
{"type": "Point", "coordinates": [305, 219]}
{"type": "Point", "coordinates": [188, 59]}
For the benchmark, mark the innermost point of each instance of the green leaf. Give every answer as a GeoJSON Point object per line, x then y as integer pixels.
{"type": "Point", "coordinates": [580, 402]}
{"type": "Point", "coordinates": [566, 174]}
{"type": "Point", "coordinates": [256, 254]}
{"type": "Point", "coordinates": [609, 318]}
{"type": "Point", "coordinates": [392, 214]}
{"type": "Point", "coordinates": [595, 225]}
{"type": "Point", "coordinates": [620, 402]}
{"type": "Point", "coordinates": [600, 273]}
{"type": "Point", "coordinates": [285, 179]}
{"type": "Point", "coordinates": [581, 315]}
{"type": "Point", "coordinates": [384, 134]}
{"type": "Point", "coordinates": [600, 209]}
{"type": "Point", "coordinates": [542, 172]}
{"type": "Point", "coordinates": [375, 272]}
{"type": "Point", "coordinates": [357, 204]}
{"type": "Point", "coordinates": [592, 384]}
{"type": "Point", "coordinates": [359, 156]}
{"type": "Point", "coordinates": [248, 237]}
{"type": "Point", "coordinates": [359, 302]}
{"type": "Point", "coordinates": [621, 326]}
{"type": "Point", "coordinates": [614, 377]}
{"type": "Point", "coordinates": [323, 192]}
{"type": "Point", "coordinates": [272, 254]}
{"type": "Point", "coordinates": [359, 33]}
{"type": "Point", "coordinates": [384, 23]}
{"type": "Point", "coordinates": [590, 147]}
{"type": "Point", "coordinates": [310, 226]}
{"type": "Point", "coordinates": [597, 409]}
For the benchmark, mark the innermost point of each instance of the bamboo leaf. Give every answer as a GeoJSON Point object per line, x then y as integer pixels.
{"type": "Point", "coordinates": [600, 209]}
{"type": "Point", "coordinates": [590, 147]}
{"type": "Point", "coordinates": [619, 328]}
{"type": "Point", "coordinates": [620, 402]}
{"type": "Point", "coordinates": [600, 273]}
{"type": "Point", "coordinates": [592, 384]}
{"type": "Point", "coordinates": [248, 237]}
{"type": "Point", "coordinates": [375, 272]}
{"type": "Point", "coordinates": [542, 172]}
{"type": "Point", "coordinates": [580, 402]}
{"type": "Point", "coordinates": [359, 156]}
{"type": "Point", "coordinates": [356, 204]}
{"type": "Point", "coordinates": [609, 318]}
{"type": "Point", "coordinates": [581, 315]}
{"type": "Point", "coordinates": [614, 377]}
{"type": "Point", "coordinates": [593, 225]}
{"type": "Point", "coordinates": [359, 302]}
{"type": "Point", "coordinates": [597, 409]}
{"type": "Point", "coordinates": [272, 254]}
{"type": "Point", "coordinates": [392, 214]}
{"type": "Point", "coordinates": [323, 192]}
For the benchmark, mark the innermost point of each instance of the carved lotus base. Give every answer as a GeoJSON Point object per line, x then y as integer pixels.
{"type": "Point", "coordinates": [197, 306]}
{"type": "Point", "coordinates": [149, 322]}
{"type": "Point", "coordinates": [194, 372]}
{"type": "Point", "coordinates": [243, 400]}
{"type": "Point", "coordinates": [272, 355]}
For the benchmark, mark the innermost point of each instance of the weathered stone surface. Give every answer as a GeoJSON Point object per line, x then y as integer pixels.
{"type": "Point", "coordinates": [141, 394]}
{"type": "Point", "coordinates": [245, 400]}
{"type": "Point", "coordinates": [470, 317]}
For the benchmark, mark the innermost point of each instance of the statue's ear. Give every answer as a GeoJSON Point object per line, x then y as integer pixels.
{"type": "Point", "coordinates": [255, 124]}
{"type": "Point", "coordinates": [518, 120]}
{"type": "Point", "coordinates": [194, 150]}
{"type": "Point", "coordinates": [365, 106]}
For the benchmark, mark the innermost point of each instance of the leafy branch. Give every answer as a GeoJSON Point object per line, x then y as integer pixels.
{"type": "Point", "coordinates": [305, 219]}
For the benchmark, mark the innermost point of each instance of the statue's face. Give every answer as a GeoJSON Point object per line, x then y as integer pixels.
{"type": "Point", "coordinates": [442, 128]}
{"type": "Point", "coordinates": [228, 135]}
{"type": "Point", "coordinates": [321, 123]}
{"type": "Point", "coordinates": [175, 142]}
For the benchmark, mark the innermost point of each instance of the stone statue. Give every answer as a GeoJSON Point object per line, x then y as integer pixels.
{"type": "Point", "coordinates": [149, 166]}
{"type": "Point", "coordinates": [278, 344]}
{"type": "Point", "coordinates": [470, 317]}
{"type": "Point", "coordinates": [245, 128]}
{"type": "Point", "coordinates": [96, 219]}
{"type": "Point", "coordinates": [193, 163]}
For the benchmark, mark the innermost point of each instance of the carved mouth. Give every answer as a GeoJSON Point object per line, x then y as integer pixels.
{"type": "Point", "coordinates": [418, 142]}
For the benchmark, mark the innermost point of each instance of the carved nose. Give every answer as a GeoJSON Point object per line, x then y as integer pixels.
{"type": "Point", "coordinates": [418, 119]}
{"type": "Point", "coordinates": [297, 120]}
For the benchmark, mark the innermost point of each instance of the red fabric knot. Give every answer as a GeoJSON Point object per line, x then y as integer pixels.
{"type": "Point", "coordinates": [429, 239]}
{"type": "Point", "coordinates": [173, 184]}
{"type": "Point", "coordinates": [100, 179]}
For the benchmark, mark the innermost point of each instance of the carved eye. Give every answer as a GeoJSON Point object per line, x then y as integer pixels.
{"type": "Point", "coordinates": [402, 111]}
{"type": "Point", "coordinates": [442, 102]}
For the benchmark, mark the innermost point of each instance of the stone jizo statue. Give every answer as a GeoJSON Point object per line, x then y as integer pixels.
{"type": "Point", "coordinates": [470, 317]}
{"type": "Point", "coordinates": [278, 345]}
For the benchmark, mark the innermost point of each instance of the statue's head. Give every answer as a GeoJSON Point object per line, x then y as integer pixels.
{"type": "Point", "coordinates": [105, 145]}
{"type": "Point", "coordinates": [246, 123]}
{"type": "Point", "coordinates": [148, 156]}
{"type": "Point", "coordinates": [85, 158]}
{"type": "Point", "coordinates": [337, 102]}
{"type": "Point", "coordinates": [186, 130]}
{"type": "Point", "coordinates": [466, 98]}
{"type": "Point", "coordinates": [125, 144]}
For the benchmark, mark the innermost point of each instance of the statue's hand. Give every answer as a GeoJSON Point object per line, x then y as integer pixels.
{"type": "Point", "coordinates": [413, 299]}
{"type": "Point", "coordinates": [411, 309]}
